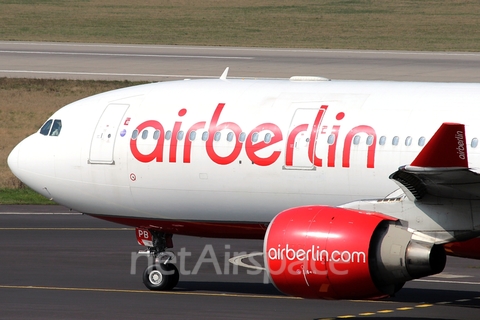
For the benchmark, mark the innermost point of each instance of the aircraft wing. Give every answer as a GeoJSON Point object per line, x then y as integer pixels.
{"type": "Point", "coordinates": [441, 168]}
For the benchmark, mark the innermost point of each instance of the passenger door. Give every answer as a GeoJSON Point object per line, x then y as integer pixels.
{"type": "Point", "coordinates": [103, 140]}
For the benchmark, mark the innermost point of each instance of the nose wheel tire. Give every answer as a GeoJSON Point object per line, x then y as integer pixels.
{"type": "Point", "coordinates": [161, 277]}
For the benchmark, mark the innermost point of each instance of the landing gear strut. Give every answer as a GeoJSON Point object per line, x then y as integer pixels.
{"type": "Point", "coordinates": [160, 275]}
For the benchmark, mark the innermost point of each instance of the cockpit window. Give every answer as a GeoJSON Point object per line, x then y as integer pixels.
{"type": "Point", "coordinates": [46, 127]}
{"type": "Point", "coordinates": [51, 128]}
{"type": "Point", "coordinates": [56, 128]}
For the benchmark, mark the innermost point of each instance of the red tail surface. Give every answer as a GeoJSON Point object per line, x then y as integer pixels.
{"type": "Point", "coordinates": [447, 148]}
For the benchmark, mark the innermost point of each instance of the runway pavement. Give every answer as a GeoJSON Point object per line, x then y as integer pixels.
{"type": "Point", "coordinates": [157, 63]}
{"type": "Point", "coordinates": [69, 266]}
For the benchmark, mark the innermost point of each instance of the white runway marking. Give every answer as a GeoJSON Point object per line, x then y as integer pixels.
{"type": "Point", "coordinates": [105, 74]}
{"type": "Point", "coordinates": [123, 55]}
{"type": "Point", "coordinates": [179, 76]}
{"type": "Point", "coordinates": [376, 52]}
{"type": "Point", "coordinates": [447, 281]}
{"type": "Point", "coordinates": [446, 275]}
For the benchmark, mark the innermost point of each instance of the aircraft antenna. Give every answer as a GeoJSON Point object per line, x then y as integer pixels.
{"type": "Point", "coordinates": [224, 74]}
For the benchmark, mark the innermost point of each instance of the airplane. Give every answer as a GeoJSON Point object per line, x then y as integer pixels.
{"type": "Point", "coordinates": [356, 187]}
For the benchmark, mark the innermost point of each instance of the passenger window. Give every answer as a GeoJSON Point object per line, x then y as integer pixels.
{"type": "Point", "coordinates": [331, 139]}
{"type": "Point", "coordinates": [395, 140]}
{"type": "Point", "coordinates": [217, 136]}
{"type": "Point", "coordinates": [382, 141]}
{"type": "Point", "coordinates": [356, 140]}
{"type": "Point", "coordinates": [421, 141]}
{"type": "Point", "coordinates": [369, 140]}
{"type": "Point", "coordinates": [145, 134]}
{"type": "Point", "coordinates": [408, 141]}
{"type": "Point", "coordinates": [230, 136]}
{"type": "Point", "coordinates": [242, 137]}
{"type": "Point", "coordinates": [205, 135]}
{"type": "Point", "coordinates": [180, 135]}
{"type": "Point", "coordinates": [46, 127]}
{"type": "Point", "coordinates": [156, 135]}
{"type": "Point", "coordinates": [474, 143]}
{"type": "Point", "coordinates": [193, 135]}
{"type": "Point", "coordinates": [255, 137]}
{"type": "Point", "coordinates": [168, 135]}
{"type": "Point", "coordinates": [56, 128]}
{"type": "Point", "coordinates": [268, 137]}
{"type": "Point", "coordinates": [135, 134]}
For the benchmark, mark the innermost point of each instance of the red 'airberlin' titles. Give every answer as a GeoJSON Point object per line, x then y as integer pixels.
{"type": "Point", "coordinates": [252, 148]}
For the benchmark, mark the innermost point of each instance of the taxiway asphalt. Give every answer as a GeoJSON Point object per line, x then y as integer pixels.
{"type": "Point", "coordinates": [58, 264]}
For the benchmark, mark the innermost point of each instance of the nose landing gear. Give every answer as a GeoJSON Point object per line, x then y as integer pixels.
{"type": "Point", "coordinates": [161, 275]}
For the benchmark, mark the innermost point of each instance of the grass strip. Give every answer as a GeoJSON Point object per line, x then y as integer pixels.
{"type": "Point", "coordinates": [22, 196]}
{"type": "Point", "coordinates": [437, 25]}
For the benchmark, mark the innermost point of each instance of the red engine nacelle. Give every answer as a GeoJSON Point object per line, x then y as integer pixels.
{"type": "Point", "coordinates": [334, 253]}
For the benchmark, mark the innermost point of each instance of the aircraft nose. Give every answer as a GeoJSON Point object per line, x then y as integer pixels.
{"type": "Point", "coordinates": [12, 160]}
{"type": "Point", "coordinates": [31, 162]}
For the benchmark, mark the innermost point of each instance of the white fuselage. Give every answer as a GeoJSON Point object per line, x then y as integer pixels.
{"type": "Point", "coordinates": [271, 145]}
